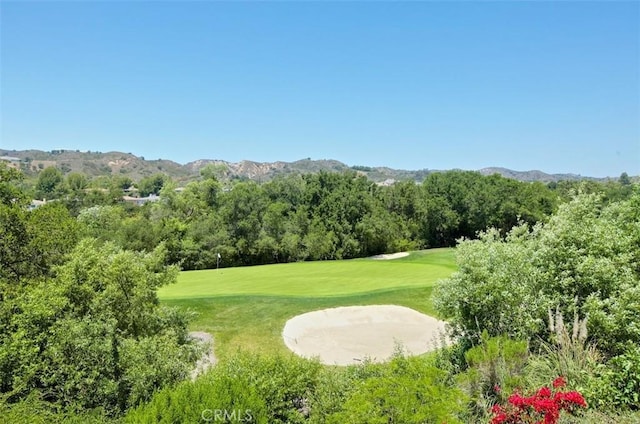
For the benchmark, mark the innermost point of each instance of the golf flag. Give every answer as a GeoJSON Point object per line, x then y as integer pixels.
{"type": "Point", "coordinates": [219, 256]}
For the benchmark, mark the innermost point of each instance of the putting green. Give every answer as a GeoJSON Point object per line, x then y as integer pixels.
{"type": "Point", "coordinates": [315, 279]}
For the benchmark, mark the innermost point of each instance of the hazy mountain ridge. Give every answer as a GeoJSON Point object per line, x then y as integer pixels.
{"type": "Point", "coordinates": [533, 175]}
{"type": "Point", "coordinates": [137, 167]}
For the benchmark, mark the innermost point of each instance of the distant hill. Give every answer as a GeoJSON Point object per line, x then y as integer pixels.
{"type": "Point", "coordinates": [136, 167]}
{"type": "Point", "coordinates": [96, 163]}
{"type": "Point", "coordinates": [532, 175]}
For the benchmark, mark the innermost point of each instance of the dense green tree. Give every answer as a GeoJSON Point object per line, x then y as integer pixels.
{"type": "Point", "coordinates": [462, 203]}
{"type": "Point", "coordinates": [101, 222]}
{"type": "Point", "coordinates": [214, 171]}
{"type": "Point", "coordinates": [610, 190]}
{"type": "Point", "coordinates": [624, 179]}
{"type": "Point", "coordinates": [242, 209]}
{"type": "Point", "coordinates": [76, 181]}
{"type": "Point", "coordinates": [32, 242]}
{"type": "Point", "coordinates": [54, 233]}
{"type": "Point", "coordinates": [121, 182]}
{"type": "Point", "coordinates": [10, 194]}
{"type": "Point", "coordinates": [49, 183]}
{"type": "Point", "coordinates": [152, 184]}
{"type": "Point", "coordinates": [14, 236]}
{"type": "Point", "coordinates": [95, 335]}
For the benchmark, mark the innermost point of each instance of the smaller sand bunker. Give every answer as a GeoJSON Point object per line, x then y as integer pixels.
{"type": "Point", "coordinates": [388, 256]}
{"type": "Point", "coordinates": [348, 335]}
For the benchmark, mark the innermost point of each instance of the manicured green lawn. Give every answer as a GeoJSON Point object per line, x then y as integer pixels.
{"type": "Point", "coordinates": [246, 308]}
{"type": "Point", "coordinates": [315, 279]}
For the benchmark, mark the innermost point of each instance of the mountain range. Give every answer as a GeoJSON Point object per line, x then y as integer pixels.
{"type": "Point", "coordinates": [136, 167]}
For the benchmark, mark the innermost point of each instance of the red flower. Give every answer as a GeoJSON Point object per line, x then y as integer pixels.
{"type": "Point", "coordinates": [499, 418]}
{"type": "Point", "coordinates": [496, 388]}
{"type": "Point", "coordinates": [575, 398]}
{"type": "Point", "coordinates": [544, 392]}
{"type": "Point", "coordinates": [496, 409]}
{"type": "Point", "coordinates": [551, 417]}
{"type": "Point", "coordinates": [544, 407]}
{"type": "Point", "coordinates": [517, 400]}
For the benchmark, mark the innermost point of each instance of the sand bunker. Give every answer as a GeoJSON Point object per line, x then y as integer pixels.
{"type": "Point", "coordinates": [390, 256]}
{"type": "Point", "coordinates": [348, 335]}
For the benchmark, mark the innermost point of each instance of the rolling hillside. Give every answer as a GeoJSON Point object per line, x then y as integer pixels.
{"type": "Point", "coordinates": [136, 167]}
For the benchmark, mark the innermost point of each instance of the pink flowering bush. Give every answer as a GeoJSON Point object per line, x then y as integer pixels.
{"type": "Point", "coordinates": [543, 407]}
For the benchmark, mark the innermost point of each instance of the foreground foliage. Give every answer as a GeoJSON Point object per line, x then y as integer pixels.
{"type": "Point", "coordinates": [259, 389]}
{"type": "Point", "coordinates": [94, 335]}
{"type": "Point", "coordinates": [247, 388]}
{"type": "Point", "coordinates": [81, 327]}
{"type": "Point", "coordinates": [583, 262]}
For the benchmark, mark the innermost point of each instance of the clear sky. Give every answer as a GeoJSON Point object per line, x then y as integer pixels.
{"type": "Point", "coordinates": [553, 86]}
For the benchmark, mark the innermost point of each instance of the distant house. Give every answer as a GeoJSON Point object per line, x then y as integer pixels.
{"type": "Point", "coordinates": [387, 183]}
{"type": "Point", "coordinates": [139, 201]}
{"type": "Point", "coordinates": [11, 161]}
{"type": "Point", "coordinates": [35, 204]}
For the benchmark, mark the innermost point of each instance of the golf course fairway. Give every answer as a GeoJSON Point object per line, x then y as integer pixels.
{"type": "Point", "coordinates": [247, 307]}
{"type": "Point", "coordinates": [315, 279]}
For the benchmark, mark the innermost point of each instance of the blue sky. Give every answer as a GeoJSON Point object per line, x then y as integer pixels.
{"type": "Point", "coordinates": [553, 86]}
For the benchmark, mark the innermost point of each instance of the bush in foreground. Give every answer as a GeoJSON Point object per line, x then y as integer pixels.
{"type": "Point", "coordinates": [584, 262]}
{"type": "Point", "coordinates": [247, 388]}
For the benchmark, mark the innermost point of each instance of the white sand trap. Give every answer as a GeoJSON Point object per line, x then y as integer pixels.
{"type": "Point", "coordinates": [348, 335]}
{"type": "Point", "coordinates": [390, 256]}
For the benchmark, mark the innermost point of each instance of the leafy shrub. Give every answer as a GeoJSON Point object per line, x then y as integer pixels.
{"type": "Point", "coordinates": [451, 357]}
{"type": "Point", "coordinates": [406, 390]}
{"type": "Point", "coordinates": [584, 261]}
{"type": "Point", "coordinates": [333, 388]}
{"type": "Point", "coordinates": [618, 384]}
{"type": "Point", "coordinates": [95, 336]}
{"type": "Point", "coordinates": [492, 288]}
{"type": "Point", "coordinates": [495, 366]}
{"type": "Point", "coordinates": [246, 388]}
{"type": "Point", "coordinates": [34, 410]}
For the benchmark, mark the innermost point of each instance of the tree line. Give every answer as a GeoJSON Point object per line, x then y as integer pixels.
{"type": "Point", "coordinates": [304, 217]}
{"type": "Point", "coordinates": [316, 217]}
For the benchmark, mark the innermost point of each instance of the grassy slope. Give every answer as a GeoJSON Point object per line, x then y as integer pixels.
{"type": "Point", "coordinates": [247, 307]}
